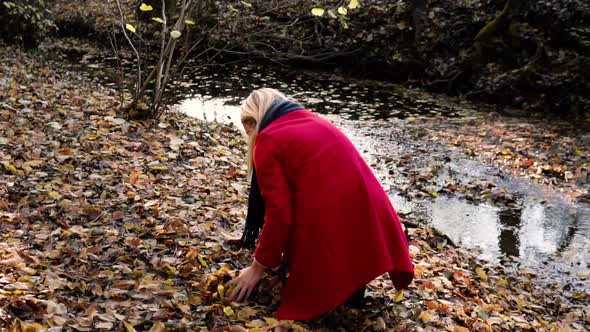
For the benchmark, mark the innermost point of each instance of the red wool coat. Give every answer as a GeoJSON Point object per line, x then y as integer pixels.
{"type": "Point", "coordinates": [327, 213]}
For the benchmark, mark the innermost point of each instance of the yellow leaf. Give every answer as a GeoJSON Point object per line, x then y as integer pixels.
{"type": "Point", "coordinates": [460, 329]}
{"type": "Point", "coordinates": [342, 11]}
{"type": "Point", "coordinates": [145, 8]}
{"type": "Point", "coordinates": [220, 289]}
{"type": "Point", "coordinates": [159, 167]}
{"type": "Point", "coordinates": [157, 19]}
{"type": "Point", "coordinates": [271, 321]}
{"type": "Point", "coordinates": [202, 260]}
{"type": "Point", "coordinates": [31, 327]}
{"type": "Point", "coordinates": [502, 282]}
{"type": "Point", "coordinates": [232, 8]}
{"type": "Point", "coordinates": [255, 324]}
{"type": "Point", "coordinates": [130, 27]}
{"type": "Point", "coordinates": [9, 167]}
{"type": "Point", "coordinates": [399, 295]}
{"type": "Point", "coordinates": [129, 327]}
{"type": "Point", "coordinates": [230, 289]}
{"type": "Point", "coordinates": [247, 4]}
{"type": "Point", "coordinates": [353, 4]}
{"type": "Point", "coordinates": [228, 311]}
{"type": "Point", "coordinates": [425, 316]}
{"type": "Point", "coordinates": [482, 274]}
{"type": "Point", "coordinates": [189, 22]}
{"type": "Point", "coordinates": [343, 22]}
{"type": "Point", "coordinates": [317, 11]}
{"type": "Point", "coordinates": [53, 194]}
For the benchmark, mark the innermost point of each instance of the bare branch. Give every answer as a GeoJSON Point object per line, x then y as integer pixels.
{"type": "Point", "coordinates": [132, 46]}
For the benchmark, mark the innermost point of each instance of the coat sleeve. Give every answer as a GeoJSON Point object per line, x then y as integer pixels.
{"type": "Point", "coordinates": [275, 191]}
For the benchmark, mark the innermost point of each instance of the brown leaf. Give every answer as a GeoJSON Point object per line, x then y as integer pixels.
{"type": "Point", "coordinates": [158, 327]}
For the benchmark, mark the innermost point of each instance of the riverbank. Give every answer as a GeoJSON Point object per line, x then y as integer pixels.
{"type": "Point", "coordinates": [114, 224]}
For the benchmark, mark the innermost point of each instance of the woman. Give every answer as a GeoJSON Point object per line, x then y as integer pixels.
{"type": "Point", "coordinates": [321, 210]}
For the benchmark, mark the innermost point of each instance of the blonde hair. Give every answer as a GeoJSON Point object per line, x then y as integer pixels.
{"type": "Point", "coordinates": [254, 108]}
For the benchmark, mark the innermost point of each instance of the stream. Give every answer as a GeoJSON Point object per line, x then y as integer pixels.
{"type": "Point", "coordinates": [542, 229]}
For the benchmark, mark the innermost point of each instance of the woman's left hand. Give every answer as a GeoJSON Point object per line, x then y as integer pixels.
{"type": "Point", "coordinates": [245, 282]}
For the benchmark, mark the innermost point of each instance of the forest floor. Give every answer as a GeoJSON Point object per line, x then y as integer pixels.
{"type": "Point", "coordinates": [110, 224]}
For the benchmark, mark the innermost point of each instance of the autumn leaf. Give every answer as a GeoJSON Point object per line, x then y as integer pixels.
{"type": "Point", "coordinates": [130, 27]}
{"type": "Point", "coordinates": [425, 316]}
{"type": "Point", "coordinates": [145, 8]}
{"type": "Point", "coordinates": [31, 327]}
{"type": "Point", "coordinates": [129, 327]}
{"type": "Point", "coordinates": [342, 11]}
{"type": "Point", "coordinates": [189, 22]}
{"type": "Point", "coordinates": [157, 19]}
{"type": "Point", "coordinates": [481, 274]}
{"type": "Point", "coordinates": [399, 295]}
{"type": "Point", "coordinates": [202, 260]}
{"type": "Point", "coordinates": [133, 178]}
{"type": "Point", "coordinates": [246, 4]}
{"type": "Point", "coordinates": [353, 4]}
{"type": "Point", "coordinates": [175, 34]}
{"type": "Point", "coordinates": [317, 12]}
{"type": "Point", "coordinates": [158, 327]}
{"type": "Point", "coordinates": [228, 311]}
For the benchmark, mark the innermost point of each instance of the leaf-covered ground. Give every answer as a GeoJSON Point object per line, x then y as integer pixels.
{"type": "Point", "coordinates": [107, 224]}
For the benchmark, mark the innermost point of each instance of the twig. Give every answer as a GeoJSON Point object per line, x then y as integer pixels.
{"type": "Point", "coordinates": [132, 46]}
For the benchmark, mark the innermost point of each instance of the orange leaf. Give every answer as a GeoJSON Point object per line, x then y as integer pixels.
{"type": "Point", "coordinates": [133, 178]}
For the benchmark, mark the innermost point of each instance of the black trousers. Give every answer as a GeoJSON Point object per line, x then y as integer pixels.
{"type": "Point", "coordinates": [356, 300]}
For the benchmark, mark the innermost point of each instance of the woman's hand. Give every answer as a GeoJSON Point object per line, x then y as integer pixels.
{"type": "Point", "coordinates": [246, 281]}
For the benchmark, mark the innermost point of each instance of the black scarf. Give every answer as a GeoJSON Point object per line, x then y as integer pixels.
{"type": "Point", "coordinates": [255, 216]}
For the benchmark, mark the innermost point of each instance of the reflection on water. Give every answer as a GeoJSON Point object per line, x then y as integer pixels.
{"type": "Point", "coordinates": [222, 110]}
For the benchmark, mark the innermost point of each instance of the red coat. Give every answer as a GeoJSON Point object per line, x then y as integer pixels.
{"type": "Point", "coordinates": [327, 213]}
